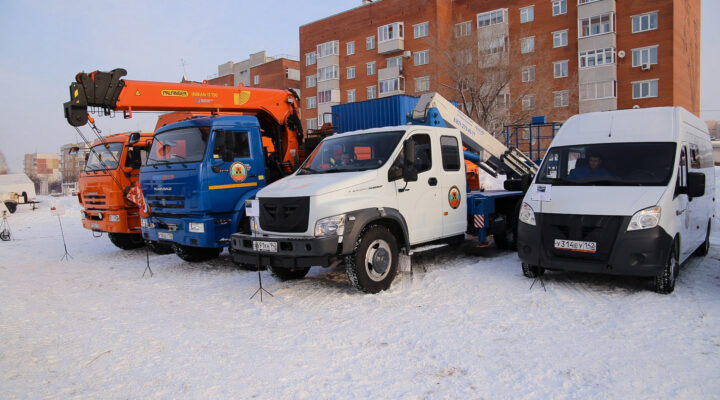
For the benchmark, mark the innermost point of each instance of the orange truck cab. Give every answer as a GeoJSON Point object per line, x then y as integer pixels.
{"type": "Point", "coordinates": [108, 187]}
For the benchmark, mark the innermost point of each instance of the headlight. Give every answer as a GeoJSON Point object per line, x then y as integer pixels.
{"type": "Point", "coordinates": [143, 222]}
{"type": "Point", "coordinates": [527, 215]}
{"type": "Point", "coordinates": [645, 219]}
{"type": "Point", "coordinates": [330, 226]}
{"type": "Point", "coordinates": [196, 227]}
{"type": "Point", "coordinates": [114, 218]}
{"type": "Point", "coordinates": [254, 228]}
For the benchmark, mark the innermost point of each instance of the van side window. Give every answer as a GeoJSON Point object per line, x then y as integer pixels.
{"type": "Point", "coordinates": [450, 153]}
{"type": "Point", "coordinates": [695, 157]}
{"type": "Point", "coordinates": [682, 171]}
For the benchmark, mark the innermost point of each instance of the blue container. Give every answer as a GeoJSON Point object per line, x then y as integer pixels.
{"type": "Point", "coordinates": [387, 111]}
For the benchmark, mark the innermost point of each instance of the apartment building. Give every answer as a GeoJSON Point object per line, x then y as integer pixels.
{"type": "Point", "coordinates": [518, 58]}
{"type": "Point", "coordinates": [260, 70]}
{"type": "Point", "coordinates": [72, 162]}
{"type": "Point", "coordinates": [44, 169]}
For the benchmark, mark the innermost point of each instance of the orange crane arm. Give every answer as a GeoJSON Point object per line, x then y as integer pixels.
{"type": "Point", "coordinates": [107, 91]}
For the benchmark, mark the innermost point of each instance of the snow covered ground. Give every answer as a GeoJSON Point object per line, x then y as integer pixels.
{"type": "Point", "coordinates": [467, 327]}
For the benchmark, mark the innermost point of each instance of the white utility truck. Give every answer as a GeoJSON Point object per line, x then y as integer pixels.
{"type": "Point", "coordinates": [627, 192]}
{"type": "Point", "coordinates": [361, 198]}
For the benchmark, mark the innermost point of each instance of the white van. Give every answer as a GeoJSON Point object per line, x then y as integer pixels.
{"type": "Point", "coordinates": [627, 192]}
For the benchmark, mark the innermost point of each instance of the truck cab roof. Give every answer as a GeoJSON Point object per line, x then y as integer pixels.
{"type": "Point", "coordinates": [235, 120]}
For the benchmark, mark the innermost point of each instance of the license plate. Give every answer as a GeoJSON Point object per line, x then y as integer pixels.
{"type": "Point", "coordinates": [576, 245]}
{"type": "Point", "coordinates": [95, 225]}
{"type": "Point", "coordinates": [265, 246]}
{"type": "Point", "coordinates": [165, 235]}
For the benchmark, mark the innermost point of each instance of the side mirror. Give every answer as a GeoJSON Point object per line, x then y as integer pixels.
{"type": "Point", "coordinates": [134, 138]}
{"type": "Point", "coordinates": [409, 172]}
{"type": "Point", "coordinates": [215, 164]}
{"type": "Point", "coordinates": [695, 184]}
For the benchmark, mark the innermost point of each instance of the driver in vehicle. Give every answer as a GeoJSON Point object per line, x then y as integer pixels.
{"type": "Point", "coordinates": [591, 170]}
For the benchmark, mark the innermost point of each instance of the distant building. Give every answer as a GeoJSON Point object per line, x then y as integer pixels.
{"type": "Point", "coordinates": [72, 164]}
{"type": "Point", "coordinates": [3, 165]}
{"type": "Point", "coordinates": [44, 170]}
{"type": "Point", "coordinates": [714, 128]}
{"type": "Point", "coordinates": [260, 71]}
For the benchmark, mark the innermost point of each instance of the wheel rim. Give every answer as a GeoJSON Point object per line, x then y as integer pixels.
{"type": "Point", "coordinates": [378, 259]}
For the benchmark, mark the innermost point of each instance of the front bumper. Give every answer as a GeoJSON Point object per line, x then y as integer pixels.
{"type": "Point", "coordinates": [176, 230]}
{"type": "Point", "coordinates": [99, 220]}
{"type": "Point", "coordinates": [292, 252]}
{"type": "Point", "coordinates": [634, 253]}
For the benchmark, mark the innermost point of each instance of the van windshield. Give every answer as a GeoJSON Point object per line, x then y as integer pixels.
{"type": "Point", "coordinates": [178, 146]}
{"type": "Point", "coordinates": [349, 153]}
{"type": "Point", "coordinates": [609, 164]}
{"type": "Point", "coordinates": [104, 156]}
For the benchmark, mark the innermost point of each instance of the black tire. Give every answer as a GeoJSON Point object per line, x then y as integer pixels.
{"type": "Point", "coordinates": [196, 254]}
{"type": "Point", "coordinates": [287, 274]}
{"type": "Point", "coordinates": [665, 280]}
{"type": "Point", "coordinates": [704, 248]}
{"type": "Point", "coordinates": [372, 266]}
{"type": "Point", "coordinates": [11, 206]}
{"type": "Point", "coordinates": [127, 241]}
{"type": "Point", "coordinates": [159, 248]}
{"type": "Point", "coordinates": [507, 240]}
{"type": "Point", "coordinates": [532, 271]}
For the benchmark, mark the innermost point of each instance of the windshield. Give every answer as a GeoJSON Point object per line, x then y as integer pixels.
{"type": "Point", "coordinates": [615, 164]}
{"type": "Point", "coordinates": [104, 157]}
{"type": "Point", "coordinates": [178, 146]}
{"type": "Point", "coordinates": [351, 153]}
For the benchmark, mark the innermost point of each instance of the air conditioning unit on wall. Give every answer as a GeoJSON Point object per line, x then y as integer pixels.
{"type": "Point", "coordinates": [645, 67]}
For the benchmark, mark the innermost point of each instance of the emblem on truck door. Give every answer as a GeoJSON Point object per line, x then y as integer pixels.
{"type": "Point", "coordinates": [238, 171]}
{"type": "Point", "coordinates": [454, 197]}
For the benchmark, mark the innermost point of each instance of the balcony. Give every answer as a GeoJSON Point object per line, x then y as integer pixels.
{"type": "Point", "coordinates": [391, 38]}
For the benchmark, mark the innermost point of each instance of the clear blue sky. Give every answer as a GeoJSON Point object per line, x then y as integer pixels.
{"type": "Point", "coordinates": [43, 44]}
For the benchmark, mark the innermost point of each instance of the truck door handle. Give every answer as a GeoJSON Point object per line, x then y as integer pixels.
{"type": "Point", "coordinates": [432, 181]}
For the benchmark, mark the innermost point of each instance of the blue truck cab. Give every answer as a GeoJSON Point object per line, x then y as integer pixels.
{"type": "Point", "coordinates": [197, 176]}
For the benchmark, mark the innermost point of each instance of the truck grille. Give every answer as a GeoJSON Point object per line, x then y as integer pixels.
{"type": "Point", "coordinates": [602, 229]}
{"type": "Point", "coordinates": [289, 214]}
{"type": "Point", "coordinates": [166, 201]}
{"type": "Point", "coordinates": [94, 200]}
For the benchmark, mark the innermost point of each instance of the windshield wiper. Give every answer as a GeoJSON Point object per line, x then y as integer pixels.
{"type": "Point", "coordinates": [307, 171]}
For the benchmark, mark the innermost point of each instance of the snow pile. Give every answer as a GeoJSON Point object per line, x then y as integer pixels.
{"type": "Point", "coordinates": [465, 325]}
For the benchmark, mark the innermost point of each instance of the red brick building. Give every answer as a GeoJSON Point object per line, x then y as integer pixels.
{"type": "Point", "coordinates": [535, 57]}
{"type": "Point", "coordinates": [260, 71]}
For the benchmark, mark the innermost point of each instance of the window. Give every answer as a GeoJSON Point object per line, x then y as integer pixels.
{"type": "Point", "coordinates": [328, 73]}
{"type": "Point", "coordinates": [325, 96]}
{"type": "Point", "coordinates": [497, 45]}
{"type": "Point", "coordinates": [422, 57]}
{"type": "Point", "coordinates": [369, 42]}
{"type": "Point", "coordinates": [463, 57]}
{"type": "Point", "coordinates": [390, 32]}
{"type": "Point", "coordinates": [392, 85]}
{"type": "Point", "coordinates": [463, 29]}
{"type": "Point", "coordinates": [311, 123]}
{"type": "Point", "coordinates": [598, 90]}
{"type": "Point", "coordinates": [230, 145]}
{"type": "Point", "coordinates": [559, 7]}
{"type": "Point", "coordinates": [581, 2]}
{"type": "Point", "coordinates": [527, 45]}
{"type": "Point", "coordinates": [256, 80]}
{"type": "Point", "coordinates": [351, 96]}
{"type": "Point", "coordinates": [311, 102]}
{"type": "Point", "coordinates": [422, 84]}
{"type": "Point", "coordinates": [560, 38]}
{"type": "Point", "coordinates": [371, 92]}
{"type": "Point", "coordinates": [310, 81]}
{"type": "Point", "coordinates": [596, 58]}
{"type": "Point", "coordinates": [597, 25]}
{"type": "Point", "coordinates": [528, 102]}
{"type": "Point", "coordinates": [560, 69]}
{"type": "Point", "coordinates": [450, 153]}
{"type": "Point", "coordinates": [351, 72]}
{"type": "Point", "coordinates": [527, 14]}
{"type": "Point", "coordinates": [395, 62]}
{"type": "Point", "coordinates": [350, 48]}
{"type": "Point", "coordinates": [420, 30]}
{"type": "Point", "coordinates": [695, 157]}
{"type": "Point", "coordinates": [528, 73]}
{"type": "Point", "coordinates": [492, 17]}
{"type": "Point", "coordinates": [310, 58]}
{"type": "Point", "coordinates": [328, 49]}
{"type": "Point", "coordinates": [645, 22]}
{"type": "Point", "coordinates": [562, 98]}
{"type": "Point", "coordinates": [371, 68]}
{"type": "Point", "coordinates": [645, 89]}
{"type": "Point", "coordinates": [644, 55]}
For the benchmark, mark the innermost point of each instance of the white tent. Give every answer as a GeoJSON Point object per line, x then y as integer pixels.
{"type": "Point", "coordinates": [17, 188]}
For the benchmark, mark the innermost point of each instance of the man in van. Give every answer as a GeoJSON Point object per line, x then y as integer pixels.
{"type": "Point", "coordinates": [591, 170]}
